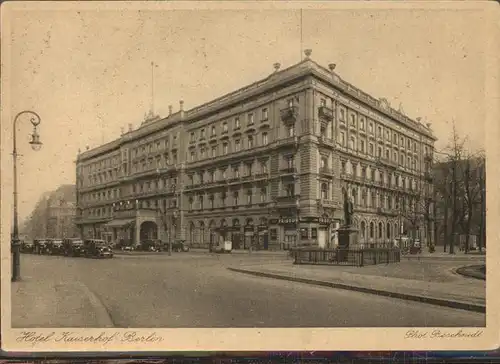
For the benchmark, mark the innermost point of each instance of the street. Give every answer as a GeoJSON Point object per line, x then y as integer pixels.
{"type": "Point", "coordinates": [196, 290]}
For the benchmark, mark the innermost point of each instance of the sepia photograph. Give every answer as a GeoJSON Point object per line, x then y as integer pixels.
{"type": "Point", "coordinates": [182, 173]}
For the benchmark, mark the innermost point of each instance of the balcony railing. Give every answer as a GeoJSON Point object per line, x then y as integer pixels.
{"type": "Point", "coordinates": [289, 114]}
{"type": "Point", "coordinates": [288, 140]}
{"type": "Point", "coordinates": [326, 141]}
{"type": "Point", "coordinates": [387, 162]}
{"type": "Point", "coordinates": [287, 201]}
{"type": "Point", "coordinates": [326, 170]}
{"type": "Point", "coordinates": [325, 113]}
{"type": "Point", "coordinates": [288, 170]}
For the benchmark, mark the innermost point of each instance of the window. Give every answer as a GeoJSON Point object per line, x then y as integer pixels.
{"type": "Point", "coordinates": [395, 156]}
{"type": "Point", "coordinates": [387, 135]}
{"type": "Point", "coordinates": [192, 138]}
{"type": "Point", "coordinates": [352, 143]}
{"type": "Point", "coordinates": [314, 233]}
{"type": "Point", "coordinates": [263, 194]}
{"type": "Point", "coordinates": [224, 174]}
{"type": "Point", "coordinates": [395, 138]}
{"type": "Point", "coordinates": [290, 190]}
{"type": "Point", "coordinates": [379, 152]}
{"type": "Point", "coordinates": [402, 141]}
{"type": "Point", "coordinates": [202, 134]}
{"type": "Point", "coordinates": [373, 175]}
{"type": "Point", "coordinates": [342, 139]}
{"type": "Point", "coordinates": [371, 150]}
{"type": "Point", "coordinates": [237, 145]}
{"type": "Point", "coordinates": [362, 146]}
{"type": "Point", "coordinates": [363, 172]}
{"type": "Point", "coordinates": [362, 123]}
{"type": "Point", "coordinates": [249, 197]}
{"type": "Point", "coordinates": [203, 152]}
{"type": "Point", "coordinates": [264, 139]}
{"type": "Point", "coordinates": [379, 129]}
{"type": "Point", "coordinates": [224, 148]}
{"type": "Point", "coordinates": [193, 156]}
{"type": "Point", "coordinates": [290, 161]}
{"type": "Point", "coordinates": [402, 160]}
{"type": "Point", "coordinates": [324, 162]}
{"type": "Point", "coordinates": [370, 128]}
{"type": "Point", "coordinates": [363, 198]}
{"type": "Point", "coordinates": [322, 102]}
{"type": "Point", "coordinates": [190, 203]}
{"type": "Point", "coordinates": [372, 228]}
{"type": "Point", "coordinates": [343, 166]}
{"type": "Point", "coordinates": [408, 162]}
{"type": "Point", "coordinates": [224, 127]}
{"type": "Point", "coordinates": [200, 201]}
{"type": "Point", "coordinates": [263, 168]}
{"type": "Point", "coordinates": [213, 130]}
{"type": "Point", "coordinates": [387, 154]}
{"type": "Point", "coordinates": [250, 118]}
{"type": "Point", "coordinates": [342, 115]}
{"type": "Point", "coordinates": [324, 191]}
{"type": "Point", "coordinates": [250, 142]}
{"type": "Point", "coordinates": [248, 169]}
{"type": "Point", "coordinates": [211, 199]}
{"type": "Point", "coordinates": [290, 103]}
{"type": "Point", "coordinates": [237, 122]}
{"type": "Point", "coordinates": [212, 176]}
{"type": "Point", "coordinates": [264, 114]}
{"type": "Point", "coordinates": [353, 120]}
{"type": "Point", "coordinates": [214, 151]}
{"type": "Point", "coordinates": [223, 198]}
{"type": "Point", "coordinates": [235, 198]}
{"type": "Point", "coordinates": [291, 130]}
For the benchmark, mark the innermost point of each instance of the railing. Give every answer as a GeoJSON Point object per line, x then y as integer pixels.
{"type": "Point", "coordinates": [289, 113]}
{"type": "Point", "coordinates": [325, 113]}
{"type": "Point", "coordinates": [325, 170]}
{"type": "Point", "coordinates": [352, 257]}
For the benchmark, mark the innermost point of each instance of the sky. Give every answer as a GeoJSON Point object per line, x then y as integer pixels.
{"type": "Point", "coordinates": [87, 72]}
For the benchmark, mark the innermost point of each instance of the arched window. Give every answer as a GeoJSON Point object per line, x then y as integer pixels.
{"type": "Point", "coordinates": [372, 228]}
{"type": "Point", "coordinates": [324, 191]}
{"type": "Point", "coordinates": [388, 230]}
{"type": "Point", "coordinates": [191, 233]}
{"type": "Point", "coordinates": [363, 229]}
{"type": "Point", "coordinates": [380, 230]}
{"type": "Point", "coordinates": [354, 196]}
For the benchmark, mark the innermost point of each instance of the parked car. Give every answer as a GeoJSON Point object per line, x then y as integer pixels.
{"type": "Point", "coordinates": [127, 248]}
{"type": "Point", "coordinates": [27, 247]}
{"type": "Point", "coordinates": [73, 247]}
{"type": "Point", "coordinates": [40, 246]}
{"type": "Point", "coordinates": [97, 248]}
{"type": "Point", "coordinates": [55, 246]}
{"type": "Point", "coordinates": [179, 246]}
{"type": "Point", "coordinates": [150, 245]}
{"type": "Point", "coordinates": [223, 247]}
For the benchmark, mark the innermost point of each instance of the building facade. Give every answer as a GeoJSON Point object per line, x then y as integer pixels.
{"type": "Point", "coordinates": [264, 166]}
{"type": "Point", "coordinates": [54, 215]}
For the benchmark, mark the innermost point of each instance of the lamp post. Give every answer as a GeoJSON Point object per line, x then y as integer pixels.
{"type": "Point", "coordinates": [36, 145]}
{"type": "Point", "coordinates": [297, 210]}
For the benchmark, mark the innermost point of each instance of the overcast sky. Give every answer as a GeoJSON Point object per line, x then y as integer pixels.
{"type": "Point", "coordinates": [88, 73]}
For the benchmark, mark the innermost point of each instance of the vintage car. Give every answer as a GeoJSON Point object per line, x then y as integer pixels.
{"type": "Point", "coordinates": [73, 247]}
{"type": "Point", "coordinates": [40, 246]}
{"type": "Point", "coordinates": [178, 246]}
{"type": "Point", "coordinates": [97, 248]}
{"type": "Point", "coordinates": [27, 246]}
{"type": "Point", "coordinates": [55, 246]}
{"type": "Point", "coordinates": [223, 247]}
{"type": "Point", "coordinates": [149, 245]}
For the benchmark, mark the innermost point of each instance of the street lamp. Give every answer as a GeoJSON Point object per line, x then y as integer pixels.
{"type": "Point", "coordinates": [36, 144]}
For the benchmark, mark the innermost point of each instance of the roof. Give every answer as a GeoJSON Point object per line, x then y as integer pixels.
{"type": "Point", "coordinates": [303, 68]}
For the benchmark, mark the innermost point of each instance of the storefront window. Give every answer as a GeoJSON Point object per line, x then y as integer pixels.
{"type": "Point", "coordinates": [314, 233]}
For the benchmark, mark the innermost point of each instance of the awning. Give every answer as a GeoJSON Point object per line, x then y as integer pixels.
{"type": "Point", "coordinates": [119, 223]}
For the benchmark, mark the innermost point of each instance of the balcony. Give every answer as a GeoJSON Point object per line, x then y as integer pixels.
{"type": "Point", "coordinates": [325, 113]}
{"type": "Point", "coordinates": [326, 141]}
{"type": "Point", "coordinates": [288, 170]}
{"type": "Point", "coordinates": [326, 170]}
{"type": "Point", "coordinates": [289, 114]}
{"type": "Point", "coordinates": [386, 162]}
{"type": "Point", "coordinates": [287, 201]}
{"type": "Point", "coordinates": [328, 203]}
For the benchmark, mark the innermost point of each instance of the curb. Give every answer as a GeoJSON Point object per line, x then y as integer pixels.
{"type": "Point", "coordinates": [469, 272]}
{"type": "Point", "coordinates": [101, 313]}
{"type": "Point", "coordinates": [409, 297]}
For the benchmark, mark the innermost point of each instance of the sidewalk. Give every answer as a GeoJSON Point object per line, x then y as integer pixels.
{"type": "Point", "coordinates": [459, 256]}
{"type": "Point", "coordinates": [45, 303]}
{"type": "Point", "coordinates": [443, 290]}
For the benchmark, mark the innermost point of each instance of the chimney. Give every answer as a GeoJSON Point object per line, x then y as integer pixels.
{"type": "Point", "coordinates": [181, 107]}
{"type": "Point", "coordinates": [130, 127]}
{"type": "Point", "coordinates": [122, 130]}
{"type": "Point", "coordinates": [276, 67]}
{"type": "Point", "coordinates": [428, 125]}
{"type": "Point", "coordinates": [308, 52]}
{"type": "Point", "coordinates": [79, 150]}
{"type": "Point", "coordinates": [87, 147]}
{"type": "Point", "coordinates": [170, 107]}
{"type": "Point", "coordinates": [332, 66]}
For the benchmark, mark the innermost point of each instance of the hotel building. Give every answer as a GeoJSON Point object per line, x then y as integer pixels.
{"type": "Point", "coordinates": [264, 166]}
